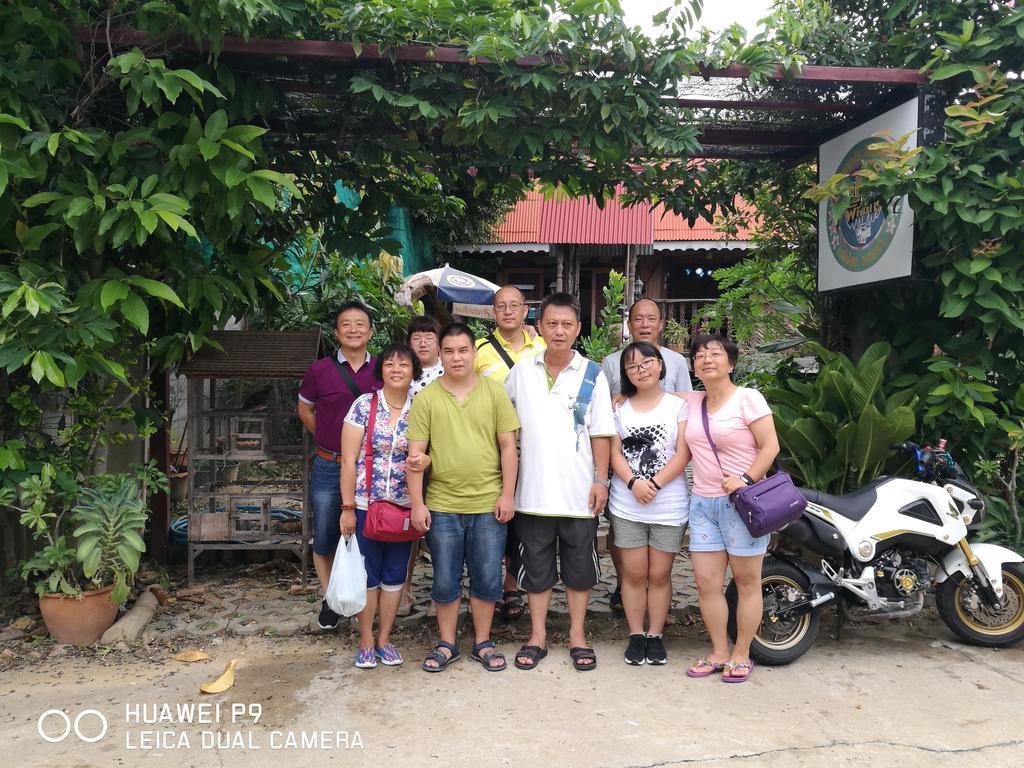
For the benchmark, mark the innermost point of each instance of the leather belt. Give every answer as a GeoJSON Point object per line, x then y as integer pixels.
{"type": "Point", "coordinates": [328, 455]}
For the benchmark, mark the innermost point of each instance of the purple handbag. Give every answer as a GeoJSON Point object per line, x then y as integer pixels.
{"type": "Point", "coordinates": [768, 505]}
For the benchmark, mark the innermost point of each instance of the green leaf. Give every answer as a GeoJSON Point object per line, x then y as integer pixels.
{"type": "Point", "coordinates": [238, 148]}
{"type": "Point", "coordinates": [148, 185]}
{"type": "Point", "coordinates": [33, 239]}
{"type": "Point", "coordinates": [156, 288]}
{"type": "Point", "coordinates": [12, 120]}
{"type": "Point", "coordinates": [40, 198]}
{"type": "Point", "coordinates": [243, 134]}
{"type": "Point", "coordinates": [262, 191]}
{"type": "Point", "coordinates": [52, 143]}
{"type": "Point", "coordinates": [949, 70]}
{"type": "Point", "coordinates": [216, 125]}
{"type": "Point", "coordinates": [112, 292]}
{"type": "Point", "coordinates": [207, 148]}
{"type": "Point", "coordinates": [134, 310]}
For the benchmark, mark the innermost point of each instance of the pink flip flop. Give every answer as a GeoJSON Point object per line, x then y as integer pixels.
{"type": "Point", "coordinates": [731, 668]}
{"type": "Point", "coordinates": [714, 667]}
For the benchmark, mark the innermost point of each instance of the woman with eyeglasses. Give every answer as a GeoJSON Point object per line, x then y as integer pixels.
{"type": "Point", "coordinates": [731, 435]}
{"type": "Point", "coordinates": [648, 497]}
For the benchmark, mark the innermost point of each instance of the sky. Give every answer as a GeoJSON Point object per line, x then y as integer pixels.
{"type": "Point", "coordinates": [717, 15]}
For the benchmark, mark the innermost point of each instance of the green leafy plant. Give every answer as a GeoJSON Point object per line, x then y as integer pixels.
{"type": "Point", "coordinates": [110, 520]}
{"type": "Point", "coordinates": [835, 427]}
{"type": "Point", "coordinates": [675, 335]}
{"type": "Point", "coordinates": [606, 337]}
{"type": "Point", "coordinates": [95, 543]}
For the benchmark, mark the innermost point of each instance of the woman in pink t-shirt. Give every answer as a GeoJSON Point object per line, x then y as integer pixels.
{"type": "Point", "coordinates": [743, 432]}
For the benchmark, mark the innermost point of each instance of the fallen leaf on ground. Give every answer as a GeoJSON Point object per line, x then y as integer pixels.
{"type": "Point", "coordinates": [159, 594]}
{"type": "Point", "coordinates": [192, 654]}
{"type": "Point", "coordinates": [23, 623]}
{"type": "Point", "coordinates": [223, 682]}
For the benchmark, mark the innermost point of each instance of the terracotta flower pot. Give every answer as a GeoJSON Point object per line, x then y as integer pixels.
{"type": "Point", "coordinates": [79, 620]}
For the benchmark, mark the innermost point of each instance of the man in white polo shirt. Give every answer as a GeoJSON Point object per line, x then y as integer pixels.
{"type": "Point", "coordinates": [564, 406]}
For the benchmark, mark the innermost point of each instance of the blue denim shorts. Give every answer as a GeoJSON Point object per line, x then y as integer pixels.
{"type": "Point", "coordinates": [386, 562]}
{"type": "Point", "coordinates": [325, 502]}
{"type": "Point", "coordinates": [477, 541]}
{"type": "Point", "coordinates": [715, 525]}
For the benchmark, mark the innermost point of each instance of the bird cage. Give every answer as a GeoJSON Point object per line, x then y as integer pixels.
{"type": "Point", "coordinates": [249, 454]}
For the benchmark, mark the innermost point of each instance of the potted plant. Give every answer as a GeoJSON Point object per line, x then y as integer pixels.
{"type": "Point", "coordinates": [90, 553]}
{"type": "Point", "coordinates": [676, 336]}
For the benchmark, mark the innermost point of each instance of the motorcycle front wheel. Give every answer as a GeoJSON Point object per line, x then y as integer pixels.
{"type": "Point", "coordinates": [964, 611]}
{"type": "Point", "coordinates": [781, 638]}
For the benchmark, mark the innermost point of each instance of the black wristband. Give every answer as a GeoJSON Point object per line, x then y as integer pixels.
{"type": "Point", "coordinates": [652, 481]}
{"type": "Point", "coordinates": [747, 479]}
{"type": "Point", "coordinates": [632, 480]}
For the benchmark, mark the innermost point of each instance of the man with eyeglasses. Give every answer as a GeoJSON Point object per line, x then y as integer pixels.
{"type": "Point", "coordinates": [496, 353]}
{"type": "Point", "coordinates": [644, 323]}
{"type": "Point", "coordinates": [511, 341]}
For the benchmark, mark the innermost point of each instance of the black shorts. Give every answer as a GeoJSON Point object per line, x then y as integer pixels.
{"type": "Point", "coordinates": [571, 541]}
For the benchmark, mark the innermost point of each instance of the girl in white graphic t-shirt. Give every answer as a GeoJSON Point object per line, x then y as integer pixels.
{"type": "Point", "coordinates": [647, 499]}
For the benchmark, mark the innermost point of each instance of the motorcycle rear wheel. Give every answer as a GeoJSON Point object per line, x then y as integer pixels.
{"type": "Point", "coordinates": [963, 611]}
{"type": "Point", "coordinates": [785, 639]}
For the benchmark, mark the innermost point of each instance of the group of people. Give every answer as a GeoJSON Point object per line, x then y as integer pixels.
{"type": "Point", "coordinates": [508, 448]}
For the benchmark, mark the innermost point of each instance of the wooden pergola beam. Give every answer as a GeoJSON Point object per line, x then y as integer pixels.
{"type": "Point", "coordinates": [330, 50]}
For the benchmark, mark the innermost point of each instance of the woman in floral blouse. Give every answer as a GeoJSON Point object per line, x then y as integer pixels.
{"type": "Point", "coordinates": [397, 367]}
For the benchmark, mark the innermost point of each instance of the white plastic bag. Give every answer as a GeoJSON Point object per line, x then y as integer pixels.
{"type": "Point", "coordinates": [346, 590]}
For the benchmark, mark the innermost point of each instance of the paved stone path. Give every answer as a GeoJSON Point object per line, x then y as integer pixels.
{"type": "Point", "coordinates": [208, 609]}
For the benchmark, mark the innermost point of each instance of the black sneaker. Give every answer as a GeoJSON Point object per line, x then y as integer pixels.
{"type": "Point", "coordinates": [615, 598]}
{"type": "Point", "coordinates": [636, 651]}
{"type": "Point", "coordinates": [327, 619]}
{"type": "Point", "coordinates": [656, 650]}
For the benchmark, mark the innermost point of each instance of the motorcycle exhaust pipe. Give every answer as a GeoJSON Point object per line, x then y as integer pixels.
{"type": "Point", "coordinates": [822, 599]}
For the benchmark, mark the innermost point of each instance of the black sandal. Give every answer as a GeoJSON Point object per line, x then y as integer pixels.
{"type": "Point", "coordinates": [437, 656]}
{"type": "Point", "coordinates": [532, 652]}
{"type": "Point", "coordinates": [485, 661]}
{"type": "Point", "coordinates": [580, 654]}
{"type": "Point", "coordinates": [512, 605]}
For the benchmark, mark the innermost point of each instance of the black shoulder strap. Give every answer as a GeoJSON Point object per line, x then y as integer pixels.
{"type": "Point", "coordinates": [500, 350]}
{"type": "Point", "coordinates": [347, 377]}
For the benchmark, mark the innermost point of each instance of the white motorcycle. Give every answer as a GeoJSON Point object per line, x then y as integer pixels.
{"type": "Point", "coordinates": [876, 552]}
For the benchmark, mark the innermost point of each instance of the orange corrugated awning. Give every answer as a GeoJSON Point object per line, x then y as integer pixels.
{"type": "Point", "coordinates": [669, 226]}
{"type": "Point", "coordinates": [581, 221]}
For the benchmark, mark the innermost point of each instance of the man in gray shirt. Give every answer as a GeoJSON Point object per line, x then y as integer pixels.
{"type": "Point", "coordinates": [645, 323]}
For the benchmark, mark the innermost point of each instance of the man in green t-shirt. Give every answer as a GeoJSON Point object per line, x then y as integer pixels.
{"type": "Point", "coordinates": [467, 425]}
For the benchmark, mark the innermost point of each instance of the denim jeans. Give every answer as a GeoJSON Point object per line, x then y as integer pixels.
{"type": "Point", "coordinates": [477, 541]}
{"type": "Point", "coordinates": [715, 525]}
{"type": "Point", "coordinates": [385, 561]}
{"type": "Point", "coordinates": [325, 501]}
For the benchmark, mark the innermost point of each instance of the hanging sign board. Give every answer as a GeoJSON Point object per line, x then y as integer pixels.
{"type": "Point", "coordinates": [869, 243]}
{"type": "Point", "coordinates": [482, 311]}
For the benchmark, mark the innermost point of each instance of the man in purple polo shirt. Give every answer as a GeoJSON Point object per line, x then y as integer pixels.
{"type": "Point", "coordinates": [328, 390]}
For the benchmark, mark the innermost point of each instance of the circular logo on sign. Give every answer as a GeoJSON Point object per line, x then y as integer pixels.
{"type": "Point", "coordinates": [865, 230]}
{"type": "Point", "coordinates": [460, 281]}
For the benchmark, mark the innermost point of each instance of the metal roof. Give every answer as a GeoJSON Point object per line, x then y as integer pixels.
{"type": "Point", "coordinates": [255, 355]}
{"type": "Point", "coordinates": [582, 221]}
{"type": "Point", "coordinates": [535, 220]}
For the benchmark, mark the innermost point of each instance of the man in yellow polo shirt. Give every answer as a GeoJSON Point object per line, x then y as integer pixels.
{"type": "Point", "coordinates": [512, 341]}
{"type": "Point", "coordinates": [467, 425]}
{"type": "Point", "coordinates": [496, 353]}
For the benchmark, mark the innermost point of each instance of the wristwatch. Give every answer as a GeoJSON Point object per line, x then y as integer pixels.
{"type": "Point", "coordinates": [632, 480]}
{"type": "Point", "coordinates": [605, 483]}
{"type": "Point", "coordinates": [747, 479]}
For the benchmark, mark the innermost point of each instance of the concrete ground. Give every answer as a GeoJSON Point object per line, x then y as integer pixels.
{"type": "Point", "coordinates": [889, 694]}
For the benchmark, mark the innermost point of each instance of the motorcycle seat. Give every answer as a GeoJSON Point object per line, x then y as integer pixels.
{"type": "Point", "coordinates": [852, 506]}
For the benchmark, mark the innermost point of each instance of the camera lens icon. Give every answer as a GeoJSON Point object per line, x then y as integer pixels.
{"type": "Point", "coordinates": [70, 726]}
